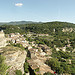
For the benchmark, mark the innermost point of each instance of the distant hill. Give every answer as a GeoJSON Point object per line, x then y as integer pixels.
{"type": "Point", "coordinates": [36, 27]}
{"type": "Point", "coordinates": [19, 23]}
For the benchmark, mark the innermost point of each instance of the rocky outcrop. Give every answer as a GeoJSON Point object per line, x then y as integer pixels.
{"type": "Point", "coordinates": [68, 30]}
{"type": "Point", "coordinates": [2, 39]}
{"type": "Point", "coordinates": [15, 59]}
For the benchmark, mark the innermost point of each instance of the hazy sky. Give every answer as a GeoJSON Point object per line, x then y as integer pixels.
{"type": "Point", "coordinates": [37, 10]}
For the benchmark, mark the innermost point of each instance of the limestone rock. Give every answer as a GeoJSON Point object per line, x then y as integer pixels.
{"type": "Point", "coordinates": [15, 58]}
{"type": "Point", "coordinates": [2, 39]}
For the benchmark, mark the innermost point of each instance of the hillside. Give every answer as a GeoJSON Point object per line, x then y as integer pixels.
{"type": "Point", "coordinates": [48, 27]}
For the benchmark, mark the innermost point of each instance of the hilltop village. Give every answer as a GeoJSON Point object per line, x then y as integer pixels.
{"type": "Point", "coordinates": [38, 53]}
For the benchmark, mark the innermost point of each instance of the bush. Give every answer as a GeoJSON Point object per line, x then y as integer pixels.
{"type": "Point", "coordinates": [48, 73]}
{"type": "Point", "coordinates": [20, 46]}
{"type": "Point", "coordinates": [55, 65]}
{"type": "Point", "coordinates": [26, 66]}
{"type": "Point", "coordinates": [3, 66]}
{"type": "Point", "coordinates": [36, 70]}
{"type": "Point", "coordinates": [18, 72]}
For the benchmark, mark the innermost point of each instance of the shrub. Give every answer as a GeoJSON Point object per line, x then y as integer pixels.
{"type": "Point", "coordinates": [48, 73]}
{"type": "Point", "coordinates": [26, 66]}
{"type": "Point", "coordinates": [18, 72]}
{"type": "Point", "coordinates": [3, 66]}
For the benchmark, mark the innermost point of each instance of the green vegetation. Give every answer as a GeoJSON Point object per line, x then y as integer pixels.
{"type": "Point", "coordinates": [3, 66]}
{"type": "Point", "coordinates": [7, 73]}
{"type": "Point", "coordinates": [19, 45]}
{"type": "Point", "coordinates": [18, 72]}
{"type": "Point", "coordinates": [36, 70]}
{"type": "Point", "coordinates": [55, 65]}
{"type": "Point", "coordinates": [48, 73]}
{"type": "Point", "coordinates": [26, 66]}
{"type": "Point", "coordinates": [61, 55]}
{"type": "Point", "coordinates": [38, 28]}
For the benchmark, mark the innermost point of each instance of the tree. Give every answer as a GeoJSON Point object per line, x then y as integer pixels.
{"type": "Point", "coordinates": [66, 67]}
{"type": "Point", "coordinates": [18, 72]}
{"type": "Point", "coordinates": [55, 65]}
{"type": "Point", "coordinates": [26, 66]}
{"type": "Point", "coordinates": [48, 73]}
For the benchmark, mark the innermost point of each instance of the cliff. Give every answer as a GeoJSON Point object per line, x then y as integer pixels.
{"type": "Point", "coordinates": [15, 58]}
{"type": "Point", "coordinates": [2, 39]}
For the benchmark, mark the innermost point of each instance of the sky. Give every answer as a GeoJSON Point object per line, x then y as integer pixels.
{"type": "Point", "coordinates": [37, 10]}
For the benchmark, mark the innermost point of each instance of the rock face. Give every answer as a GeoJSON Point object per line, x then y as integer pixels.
{"type": "Point", "coordinates": [68, 29]}
{"type": "Point", "coordinates": [2, 39]}
{"type": "Point", "coordinates": [15, 58]}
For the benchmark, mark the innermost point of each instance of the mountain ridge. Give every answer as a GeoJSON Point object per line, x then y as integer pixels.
{"type": "Point", "coordinates": [19, 22]}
